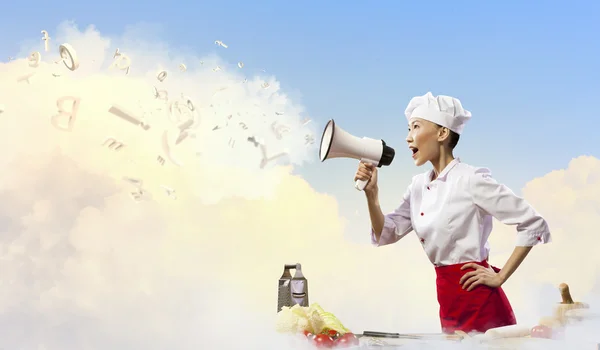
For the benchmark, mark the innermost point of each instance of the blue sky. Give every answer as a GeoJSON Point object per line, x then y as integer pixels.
{"type": "Point", "coordinates": [528, 71]}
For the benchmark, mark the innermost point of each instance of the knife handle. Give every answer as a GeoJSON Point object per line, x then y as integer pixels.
{"type": "Point", "coordinates": [380, 334]}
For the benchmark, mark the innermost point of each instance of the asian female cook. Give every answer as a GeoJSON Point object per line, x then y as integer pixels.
{"type": "Point", "coordinates": [450, 209]}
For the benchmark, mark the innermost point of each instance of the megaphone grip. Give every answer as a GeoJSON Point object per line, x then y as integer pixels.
{"type": "Point", "coordinates": [361, 184]}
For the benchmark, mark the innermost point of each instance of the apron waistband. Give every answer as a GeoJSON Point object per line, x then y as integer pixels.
{"type": "Point", "coordinates": [456, 268]}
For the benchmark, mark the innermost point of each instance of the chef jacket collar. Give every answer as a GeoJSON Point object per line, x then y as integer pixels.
{"type": "Point", "coordinates": [442, 176]}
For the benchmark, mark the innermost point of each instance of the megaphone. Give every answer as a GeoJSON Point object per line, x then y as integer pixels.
{"type": "Point", "coordinates": [337, 143]}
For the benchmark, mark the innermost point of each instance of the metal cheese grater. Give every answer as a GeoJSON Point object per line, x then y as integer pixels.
{"type": "Point", "coordinates": [292, 290]}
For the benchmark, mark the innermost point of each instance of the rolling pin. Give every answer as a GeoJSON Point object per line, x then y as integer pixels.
{"type": "Point", "coordinates": [514, 331]}
{"type": "Point", "coordinates": [566, 304]}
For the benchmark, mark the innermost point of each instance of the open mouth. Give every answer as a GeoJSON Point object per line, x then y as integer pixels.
{"type": "Point", "coordinates": [414, 151]}
{"type": "Point", "coordinates": [298, 295]}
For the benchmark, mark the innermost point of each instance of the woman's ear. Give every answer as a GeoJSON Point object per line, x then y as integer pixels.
{"type": "Point", "coordinates": [443, 134]}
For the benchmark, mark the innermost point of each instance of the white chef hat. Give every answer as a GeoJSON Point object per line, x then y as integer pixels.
{"type": "Point", "coordinates": [443, 110]}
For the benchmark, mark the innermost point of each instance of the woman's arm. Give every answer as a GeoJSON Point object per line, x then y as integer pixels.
{"type": "Point", "coordinates": [376, 214]}
{"type": "Point", "coordinates": [389, 228]}
{"type": "Point", "coordinates": [516, 258]}
{"type": "Point", "coordinates": [499, 201]}
{"type": "Point", "coordinates": [487, 276]}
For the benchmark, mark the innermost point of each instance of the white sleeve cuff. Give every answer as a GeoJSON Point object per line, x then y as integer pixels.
{"type": "Point", "coordinates": [388, 234]}
{"type": "Point", "coordinates": [530, 239]}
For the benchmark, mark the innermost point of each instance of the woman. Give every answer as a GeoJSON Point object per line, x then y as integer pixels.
{"type": "Point", "coordinates": [450, 208]}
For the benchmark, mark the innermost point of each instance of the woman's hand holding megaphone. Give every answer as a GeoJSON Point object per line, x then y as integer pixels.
{"type": "Point", "coordinates": [367, 172]}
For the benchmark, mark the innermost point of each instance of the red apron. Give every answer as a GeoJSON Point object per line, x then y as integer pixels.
{"type": "Point", "coordinates": [476, 311]}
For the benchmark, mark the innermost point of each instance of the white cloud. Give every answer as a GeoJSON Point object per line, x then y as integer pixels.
{"type": "Point", "coordinates": [85, 267]}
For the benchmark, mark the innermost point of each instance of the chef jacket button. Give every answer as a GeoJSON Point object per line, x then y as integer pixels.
{"type": "Point", "coordinates": [428, 188]}
{"type": "Point", "coordinates": [539, 238]}
{"type": "Point", "coordinates": [422, 214]}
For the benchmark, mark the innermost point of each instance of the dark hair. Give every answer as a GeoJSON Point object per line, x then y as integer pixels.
{"type": "Point", "coordinates": [453, 138]}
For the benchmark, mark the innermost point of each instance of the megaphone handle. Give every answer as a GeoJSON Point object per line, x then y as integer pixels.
{"type": "Point", "coordinates": [361, 184]}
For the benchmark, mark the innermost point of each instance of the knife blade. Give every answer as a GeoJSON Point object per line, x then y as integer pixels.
{"type": "Point", "coordinates": [374, 334]}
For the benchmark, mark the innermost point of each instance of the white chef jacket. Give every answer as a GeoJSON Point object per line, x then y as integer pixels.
{"type": "Point", "coordinates": [452, 215]}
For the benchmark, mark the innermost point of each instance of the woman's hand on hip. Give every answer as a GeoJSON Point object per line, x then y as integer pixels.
{"type": "Point", "coordinates": [480, 275]}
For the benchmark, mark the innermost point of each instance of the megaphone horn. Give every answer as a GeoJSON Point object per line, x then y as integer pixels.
{"type": "Point", "coordinates": [338, 143]}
